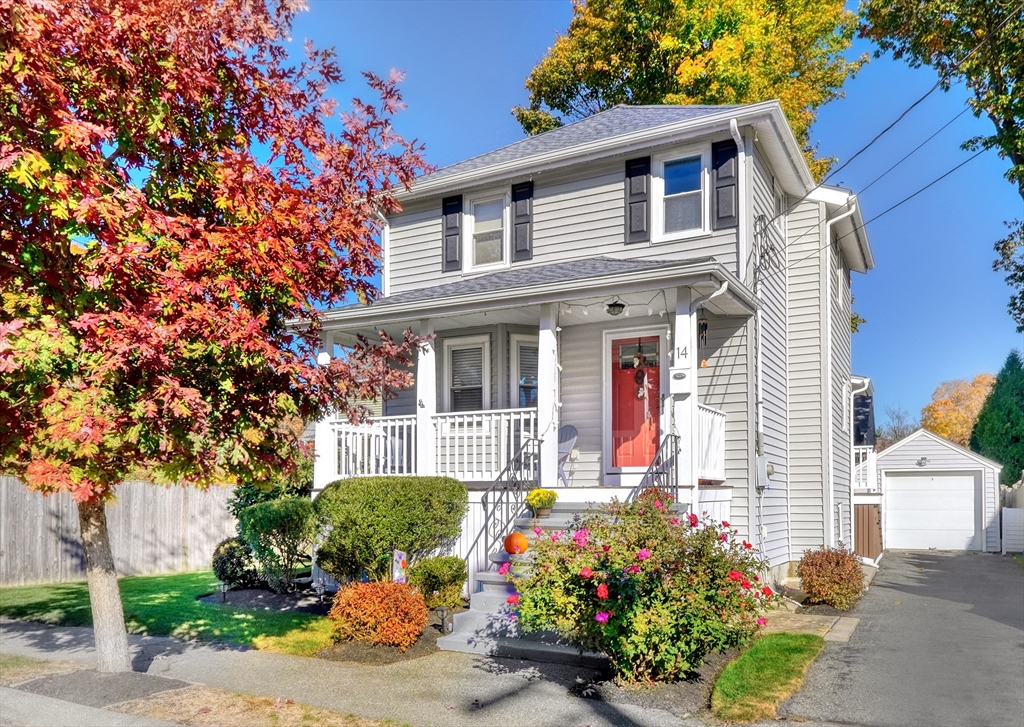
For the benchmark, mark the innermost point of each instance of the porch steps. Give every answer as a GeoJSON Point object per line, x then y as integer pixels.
{"type": "Point", "coordinates": [487, 628]}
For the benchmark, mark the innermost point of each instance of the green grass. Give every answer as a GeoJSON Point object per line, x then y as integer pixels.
{"type": "Point", "coordinates": [166, 605]}
{"type": "Point", "coordinates": [1019, 557]}
{"type": "Point", "coordinates": [752, 686]}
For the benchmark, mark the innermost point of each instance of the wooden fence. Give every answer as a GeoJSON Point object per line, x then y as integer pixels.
{"type": "Point", "coordinates": [153, 529]}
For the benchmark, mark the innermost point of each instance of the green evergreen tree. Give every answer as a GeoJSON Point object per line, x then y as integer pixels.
{"type": "Point", "coordinates": [999, 432]}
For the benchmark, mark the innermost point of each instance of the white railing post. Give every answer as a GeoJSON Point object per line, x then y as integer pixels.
{"type": "Point", "coordinates": [684, 361]}
{"type": "Point", "coordinates": [426, 402]}
{"type": "Point", "coordinates": [325, 447]}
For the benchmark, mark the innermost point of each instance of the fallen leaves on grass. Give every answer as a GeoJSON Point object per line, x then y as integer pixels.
{"type": "Point", "coordinates": [18, 669]}
{"type": "Point", "coordinates": [201, 706]}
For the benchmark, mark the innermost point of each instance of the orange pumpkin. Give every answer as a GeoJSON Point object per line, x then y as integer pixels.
{"type": "Point", "coordinates": [516, 543]}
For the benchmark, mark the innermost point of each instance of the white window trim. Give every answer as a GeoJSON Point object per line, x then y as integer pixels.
{"type": "Point", "coordinates": [452, 344]}
{"type": "Point", "coordinates": [628, 476]}
{"type": "Point", "coordinates": [515, 341]}
{"type": "Point", "coordinates": [469, 222]}
{"type": "Point", "coordinates": [658, 162]}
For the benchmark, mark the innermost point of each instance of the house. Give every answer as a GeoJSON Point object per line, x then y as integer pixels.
{"type": "Point", "coordinates": [653, 294]}
{"type": "Point", "coordinates": [926, 492]}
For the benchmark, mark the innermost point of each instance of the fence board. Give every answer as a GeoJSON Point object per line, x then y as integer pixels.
{"type": "Point", "coordinates": [153, 529]}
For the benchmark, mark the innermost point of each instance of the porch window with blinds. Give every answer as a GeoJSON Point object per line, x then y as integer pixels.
{"type": "Point", "coordinates": [467, 379]}
{"type": "Point", "coordinates": [527, 376]}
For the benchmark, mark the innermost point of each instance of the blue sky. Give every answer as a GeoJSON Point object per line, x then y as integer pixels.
{"type": "Point", "coordinates": [935, 309]}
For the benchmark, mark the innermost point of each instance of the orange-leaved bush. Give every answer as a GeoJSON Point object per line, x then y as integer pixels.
{"type": "Point", "coordinates": [384, 613]}
{"type": "Point", "coordinates": [832, 576]}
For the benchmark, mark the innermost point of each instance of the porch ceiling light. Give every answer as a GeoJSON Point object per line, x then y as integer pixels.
{"type": "Point", "coordinates": [615, 308]}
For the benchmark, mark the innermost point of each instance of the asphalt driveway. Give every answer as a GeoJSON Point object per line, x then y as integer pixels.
{"type": "Point", "coordinates": [940, 644]}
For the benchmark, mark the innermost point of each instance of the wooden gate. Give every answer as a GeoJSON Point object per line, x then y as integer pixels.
{"type": "Point", "coordinates": [868, 535]}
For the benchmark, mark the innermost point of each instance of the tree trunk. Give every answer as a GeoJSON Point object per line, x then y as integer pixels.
{"type": "Point", "coordinates": [107, 612]}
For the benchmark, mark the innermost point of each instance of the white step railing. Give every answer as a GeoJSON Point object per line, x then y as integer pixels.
{"type": "Point", "coordinates": [382, 446]}
{"type": "Point", "coordinates": [710, 444]}
{"type": "Point", "coordinates": [476, 445]}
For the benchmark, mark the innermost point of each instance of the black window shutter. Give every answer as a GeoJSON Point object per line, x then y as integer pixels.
{"type": "Point", "coordinates": [522, 221]}
{"type": "Point", "coordinates": [638, 200]}
{"type": "Point", "coordinates": [725, 190]}
{"type": "Point", "coordinates": [451, 225]}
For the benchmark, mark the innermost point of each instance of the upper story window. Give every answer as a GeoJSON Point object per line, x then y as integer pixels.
{"type": "Point", "coordinates": [680, 205]}
{"type": "Point", "coordinates": [487, 232]}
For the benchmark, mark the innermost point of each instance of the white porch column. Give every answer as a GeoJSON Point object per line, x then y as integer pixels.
{"type": "Point", "coordinates": [684, 400]}
{"type": "Point", "coordinates": [547, 395]}
{"type": "Point", "coordinates": [426, 402]}
{"type": "Point", "coordinates": [325, 440]}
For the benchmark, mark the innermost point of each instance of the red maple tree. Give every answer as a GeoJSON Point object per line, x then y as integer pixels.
{"type": "Point", "coordinates": [175, 211]}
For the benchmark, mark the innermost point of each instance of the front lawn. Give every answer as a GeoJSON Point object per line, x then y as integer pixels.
{"type": "Point", "coordinates": [166, 605]}
{"type": "Point", "coordinates": [753, 685]}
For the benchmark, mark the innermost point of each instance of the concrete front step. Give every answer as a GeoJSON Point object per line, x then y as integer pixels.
{"type": "Point", "coordinates": [496, 635]}
{"type": "Point", "coordinates": [493, 582]}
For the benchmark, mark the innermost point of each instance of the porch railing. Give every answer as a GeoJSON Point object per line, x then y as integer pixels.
{"type": "Point", "coordinates": [710, 444]}
{"type": "Point", "coordinates": [865, 472]}
{"type": "Point", "coordinates": [664, 470]}
{"type": "Point", "coordinates": [476, 446]}
{"type": "Point", "coordinates": [383, 446]}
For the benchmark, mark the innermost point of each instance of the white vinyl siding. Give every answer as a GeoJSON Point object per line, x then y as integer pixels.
{"type": "Point", "coordinates": [842, 486]}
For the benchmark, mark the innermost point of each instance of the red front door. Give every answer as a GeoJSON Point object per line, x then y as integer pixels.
{"type": "Point", "coordinates": [636, 400]}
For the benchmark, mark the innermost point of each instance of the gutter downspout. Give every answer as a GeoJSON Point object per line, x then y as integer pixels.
{"type": "Point", "coordinates": [830, 497]}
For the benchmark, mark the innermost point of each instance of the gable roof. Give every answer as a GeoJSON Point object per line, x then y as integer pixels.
{"type": "Point", "coordinates": [616, 121]}
{"type": "Point", "coordinates": [925, 434]}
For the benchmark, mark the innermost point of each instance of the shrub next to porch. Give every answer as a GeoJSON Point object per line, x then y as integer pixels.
{"type": "Point", "coordinates": [369, 517]}
{"type": "Point", "coordinates": [653, 590]}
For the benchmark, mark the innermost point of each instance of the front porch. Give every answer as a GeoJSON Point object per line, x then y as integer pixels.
{"type": "Point", "coordinates": [473, 446]}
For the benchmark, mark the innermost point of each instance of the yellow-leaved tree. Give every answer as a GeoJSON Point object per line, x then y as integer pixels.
{"type": "Point", "coordinates": [954, 407]}
{"type": "Point", "coordinates": [695, 52]}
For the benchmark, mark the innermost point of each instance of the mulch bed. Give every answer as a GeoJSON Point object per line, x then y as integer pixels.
{"type": "Point", "coordinates": [259, 599]}
{"type": "Point", "coordinates": [823, 609]}
{"type": "Point", "coordinates": [684, 698]}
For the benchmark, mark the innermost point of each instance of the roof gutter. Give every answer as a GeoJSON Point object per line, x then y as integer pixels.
{"type": "Point", "coordinates": [384, 312]}
{"type": "Point", "coordinates": [722, 121]}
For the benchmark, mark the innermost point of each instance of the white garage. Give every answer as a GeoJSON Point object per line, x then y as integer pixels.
{"type": "Point", "coordinates": [938, 495]}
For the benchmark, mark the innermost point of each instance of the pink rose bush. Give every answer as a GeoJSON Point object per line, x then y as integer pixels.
{"type": "Point", "coordinates": [653, 591]}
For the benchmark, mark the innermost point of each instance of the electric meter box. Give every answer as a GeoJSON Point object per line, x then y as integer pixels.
{"type": "Point", "coordinates": [679, 381]}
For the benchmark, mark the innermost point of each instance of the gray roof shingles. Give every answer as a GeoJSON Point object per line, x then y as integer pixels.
{"type": "Point", "coordinates": [526, 277]}
{"type": "Point", "coordinates": [616, 121]}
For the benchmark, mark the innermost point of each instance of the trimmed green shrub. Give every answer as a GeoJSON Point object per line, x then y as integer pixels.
{"type": "Point", "coordinates": [298, 483]}
{"type": "Point", "coordinates": [280, 533]}
{"type": "Point", "coordinates": [369, 517]}
{"type": "Point", "coordinates": [832, 576]}
{"type": "Point", "coordinates": [653, 590]}
{"type": "Point", "coordinates": [385, 614]}
{"type": "Point", "coordinates": [440, 579]}
{"type": "Point", "coordinates": [233, 563]}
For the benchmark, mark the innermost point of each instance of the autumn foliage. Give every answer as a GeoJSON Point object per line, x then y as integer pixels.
{"type": "Point", "coordinates": [384, 613]}
{"type": "Point", "coordinates": [954, 407]}
{"type": "Point", "coordinates": [832, 576]}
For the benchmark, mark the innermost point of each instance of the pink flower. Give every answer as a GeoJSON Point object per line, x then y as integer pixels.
{"type": "Point", "coordinates": [554, 537]}
{"type": "Point", "coordinates": [723, 537]}
{"type": "Point", "coordinates": [513, 599]}
{"type": "Point", "coordinates": [735, 575]}
{"type": "Point", "coordinates": [674, 521]}
{"type": "Point", "coordinates": [601, 617]}
{"type": "Point", "coordinates": [602, 591]}
{"type": "Point", "coordinates": [693, 520]}
{"type": "Point", "coordinates": [766, 591]}
{"type": "Point", "coordinates": [761, 622]}
{"type": "Point", "coordinates": [725, 524]}
{"type": "Point", "coordinates": [586, 573]}
{"type": "Point", "coordinates": [657, 504]}
{"type": "Point", "coordinates": [538, 531]}
{"type": "Point", "coordinates": [643, 554]}
{"type": "Point", "coordinates": [513, 616]}
{"type": "Point", "coordinates": [606, 548]}
{"type": "Point", "coordinates": [633, 569]}
{"type": "Point", "coordinates": [503, 569]}
{"type": "Point", "coordinates": [756, 579]}
{"type": "Point", "coordinates": [580, 536]}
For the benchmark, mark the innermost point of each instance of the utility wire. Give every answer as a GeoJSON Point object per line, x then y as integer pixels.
{"type": "Point", "coordinates": [942, 79]}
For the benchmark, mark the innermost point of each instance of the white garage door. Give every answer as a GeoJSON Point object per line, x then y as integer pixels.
{"type": "Point", "coordinates": [932, 511]}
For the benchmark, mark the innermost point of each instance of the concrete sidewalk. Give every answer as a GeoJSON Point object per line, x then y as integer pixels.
{"type": "Point", "coordinates": [25, 709]}
{"type": "Point", "coordinates": [446, 689]}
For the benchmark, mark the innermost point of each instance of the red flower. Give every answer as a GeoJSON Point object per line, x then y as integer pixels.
{"type": "Point", "coordinates": [723, 537]}
{"type": "Point", "coordinates": [735, 575]}
{"type": "Point", "coordinates": [693, 520]}
{"type": "Point", "coordinates": [725, 524]}
{"type": "Point", "coordinates": [602, 591]}
{"type": "Point", "coordinates": [513, 599]}
{"type": "Point", "coordinates": [745, 583]}
{"type": "Point", "coordinates": [766, 591]}
{"type": "Point", "coordinates": [586, 573]}
{"type": "Point", "coordinates": [747, 545]}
